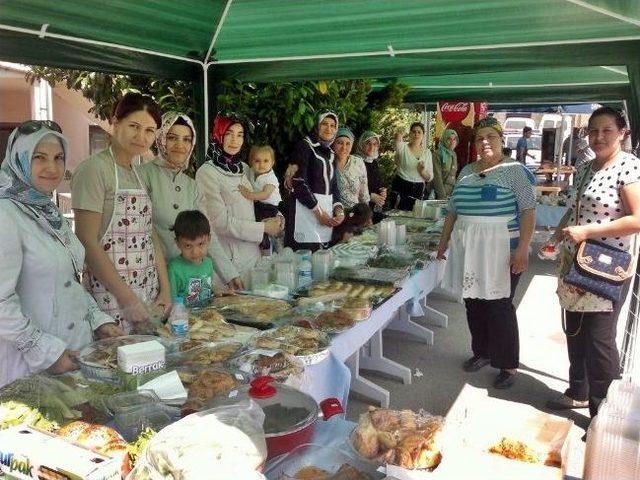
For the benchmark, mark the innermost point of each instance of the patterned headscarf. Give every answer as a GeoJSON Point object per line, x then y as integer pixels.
{"type": "Point", "coordinates": [488, 122]}
{"type": "Point", "coordinates": [215, 154]}
{"type": "Point", "coordinates": [168, 120]}
{"type": "Point", "coordinates": [445, 152]}
{"type": "Point", "coordinates": [366, 135]}
{"type": "Point", "coordinates": [15, 173]}
{"type": "Point", "coordinates": [344, 132]}
{"type": "Point", "coordinates": [322, 116]}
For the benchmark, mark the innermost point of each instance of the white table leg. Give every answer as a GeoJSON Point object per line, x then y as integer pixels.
{"type": "Point", "coordinates": [363, 386]}
{"type": "Point", "coordinates": [403, 323]}
{"type": "Point", "coordinates": [435, 317]}
{"type": "Point", "coordinates": [376, 361]}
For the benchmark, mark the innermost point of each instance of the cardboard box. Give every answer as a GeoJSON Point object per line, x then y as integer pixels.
{"type": "Point", "coordinates": [27, 453]}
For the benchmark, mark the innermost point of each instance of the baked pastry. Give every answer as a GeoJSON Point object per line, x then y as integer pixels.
{"type": "Point", "coordinates": [401, 438]}
{"type": "Point", "coordinates": [337, 321]}
{"type": "Point", "coordinates": [515, 450]}
{"type": "Point", "coordinates": [311, 473]}
{"type": "Point", "coordinates": [102, 439]}
{"type": "Point", "coordinates": [260, 309]}
{"type": "Point", "coordinates": [207, 383]}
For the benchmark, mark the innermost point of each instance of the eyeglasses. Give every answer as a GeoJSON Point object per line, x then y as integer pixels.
{"type": "Point", "coordinates": [33, 126]}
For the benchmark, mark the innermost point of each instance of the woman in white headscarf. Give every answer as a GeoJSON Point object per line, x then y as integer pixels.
{"type": "Point", "coordinates": [172, 191]}
{"type": "Point", "coordinates": [46, 313]}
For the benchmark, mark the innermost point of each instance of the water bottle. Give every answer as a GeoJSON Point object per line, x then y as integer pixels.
{"type": "Point", "coordinates": [304, 274]}
{"type": "Point", "coordinates": [179, 319]}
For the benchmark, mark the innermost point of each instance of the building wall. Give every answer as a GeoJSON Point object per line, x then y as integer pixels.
{"type": "Point", "coordinates": [16, 103]}
{"type": "Point", "coordinates": [75, 127]}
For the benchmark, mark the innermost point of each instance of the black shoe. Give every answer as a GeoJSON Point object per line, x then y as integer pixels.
{"type": "Point", "coordinates": [504, 380]}
{"type": "Point", "coordinates": [564, 402]}
{"type": "Point", "coordinates": [475, 363]}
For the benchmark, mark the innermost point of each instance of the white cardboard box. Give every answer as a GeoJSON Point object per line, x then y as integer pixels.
{"type": "Point", "coordinates": [26, 453]}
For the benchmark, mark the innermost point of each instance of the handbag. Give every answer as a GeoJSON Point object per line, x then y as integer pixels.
{"type": "Point", "coordinates": [597, 267]}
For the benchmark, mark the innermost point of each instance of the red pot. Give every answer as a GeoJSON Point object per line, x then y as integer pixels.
{"type": "Point", "coordinates": [290, 415]}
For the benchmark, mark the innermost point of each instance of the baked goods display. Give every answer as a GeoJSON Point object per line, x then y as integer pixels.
{"type": "Point", "coordinates": [204, 383]}
{"type": "Point", "coordinates": [209, 354]}
{"type": "Point", "coordinates": [252, 309]}
{"type": "Point", "coordinates": [260, 362]}
{"type": "Point", "coordinates": [345, 472]}
{"type": "Point", "coordinates": [518, 450]}
{"type": "Point", "coordinates": [209, 326]}
{"type": "Point", "coordinates": [294, 340]}
{"type": "Point", "coordinates": [357, 308]}
{"type": "Point", "coordinates": [99, 438]}
{"type": "Point", "coordinates": [404, 438]}
{"type": "Point", "coordinates": [351, 290]}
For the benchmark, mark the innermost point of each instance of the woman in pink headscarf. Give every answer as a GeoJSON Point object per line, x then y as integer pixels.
{"type": "Point", "coordinates": [230, 214]}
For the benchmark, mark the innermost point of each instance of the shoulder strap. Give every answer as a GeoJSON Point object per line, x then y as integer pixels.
{"type": "Point", "coordinates": [580, 191]}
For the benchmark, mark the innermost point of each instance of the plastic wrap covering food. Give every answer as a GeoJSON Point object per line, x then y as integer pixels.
{"type": "Point", "coordinates": [208, 325]}
{"type": "Point", "coordinates": [205, 382]}
{"type": "Point", "coordinates": [399, 437]}
{"type": "Point", "coordinates": [99, 360]}
{"type": "Point", "coordinates": [353, 253]}
{"type": "Point", "coordinates": [258, 362]}
{"type": "Point", "coordinates": [203, 353]}
{"type": "Point", "coordinates": [327, 317]}
{"type": "Point", "coordinates": [250, 310]}
{"type": "Point", "coordinates": [335, 289]}
{"type": "Point", "coordinates": [375, 275]}
{"type": "Point", "coordinates": [102, 439]}
{"type": "Point", "coordinates": [390, 261]}
{"type": "Point", "coordinates": [41, 401]}
{"type": "Point", "coordinates": [318, 462]}
{"type": "Point", "coordinates": [221, 443]}
{"type": "Point", "coordinates": [310, 346]}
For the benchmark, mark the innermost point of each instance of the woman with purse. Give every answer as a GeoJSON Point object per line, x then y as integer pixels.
{"type": "Point", "coordinates": [595, 262]}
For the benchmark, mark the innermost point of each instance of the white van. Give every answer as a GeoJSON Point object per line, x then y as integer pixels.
{"type": "Point", "coordinates": [513, 125]}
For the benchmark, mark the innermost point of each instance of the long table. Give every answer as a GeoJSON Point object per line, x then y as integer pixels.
{"type": "Point", "coordinates": [362, 346]}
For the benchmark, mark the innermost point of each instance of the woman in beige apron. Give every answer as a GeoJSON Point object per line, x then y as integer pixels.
{"type": "Point", "coordinates": [490, 221]}
{"type": "Point", "coordinates": [126, 271]}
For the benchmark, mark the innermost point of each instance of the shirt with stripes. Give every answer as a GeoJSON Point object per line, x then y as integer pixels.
{"type": "Point", "coordinates": [514, 192]}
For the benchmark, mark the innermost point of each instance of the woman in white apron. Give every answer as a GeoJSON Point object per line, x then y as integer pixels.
{"type": "Point", "coordinates": [231, 215]}
{"type": "Point", "coordinates": [126, 271]}
{"type": "Point", "coordinates": [47, 315]}
{"type": "Point", "coordinates": [313, 208]}
{"type": "Point", "coordinates": [173, 191]}
{"type": "Point", "coordinates": [488, 229]}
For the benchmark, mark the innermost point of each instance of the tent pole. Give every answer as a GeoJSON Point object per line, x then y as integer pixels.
{"type": "Point", "coordinates": [205, 74]}
{"type": "Point", "coordinates": [223, 17]}
{"type": "Point", "coordinates": [559, 150]}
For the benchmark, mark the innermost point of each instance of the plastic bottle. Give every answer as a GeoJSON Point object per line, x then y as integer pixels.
{"type": "Point", "coordinates": [179, 319]}
{"type": "Point", "coordinates": [305, 278]}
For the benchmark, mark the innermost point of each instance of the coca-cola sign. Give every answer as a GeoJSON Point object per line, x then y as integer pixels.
{"type": "Point", "coordinates": [454, 111]}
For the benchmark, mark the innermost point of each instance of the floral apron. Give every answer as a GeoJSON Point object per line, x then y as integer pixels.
{"type": "Point", "coordinates": [128, 243]}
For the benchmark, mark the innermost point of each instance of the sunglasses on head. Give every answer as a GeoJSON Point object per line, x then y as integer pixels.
{"type": "Point", "coordinates": [33, 126]}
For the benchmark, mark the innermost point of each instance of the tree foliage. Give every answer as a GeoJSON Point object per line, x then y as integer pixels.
{"type": "Point", "coordinates": [281, 113]}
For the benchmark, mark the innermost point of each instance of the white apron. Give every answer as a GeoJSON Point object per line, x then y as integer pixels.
{"type": "Point", "coordinates": [479, 257]}
{"type": "Point", "coordinates": [128, 243]}
{"type": "Point", "coordinates": [307, 228]}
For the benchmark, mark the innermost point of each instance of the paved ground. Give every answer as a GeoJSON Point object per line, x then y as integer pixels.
{"type": "Point", "coordinates": [543, 358]}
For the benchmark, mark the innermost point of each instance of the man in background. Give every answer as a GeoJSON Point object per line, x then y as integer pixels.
{"type": "Point", "coordinates": [522, 148]}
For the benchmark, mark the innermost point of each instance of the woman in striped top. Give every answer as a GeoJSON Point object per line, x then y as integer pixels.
{"type": "Point", "coordinates": [490, 221]}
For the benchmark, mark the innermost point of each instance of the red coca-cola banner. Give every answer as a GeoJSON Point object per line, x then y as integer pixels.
{"type": "Point", "coordinates": [460, 116]}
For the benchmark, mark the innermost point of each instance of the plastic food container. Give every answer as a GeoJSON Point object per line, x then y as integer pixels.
{"type": "Point", "coordinates": [127, 401]}
{"type": "Point", "coordinates": [290, 415]}
{"type": "Point", "coordinates": [99, 360]}
{"type": "Point", "coordinates": [329, 459]}
{"type": "Point", "coordinates": [152, 415]}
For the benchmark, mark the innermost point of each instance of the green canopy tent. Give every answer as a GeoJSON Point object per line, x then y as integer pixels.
{"type": "Point", "coordinates": [270, 40]}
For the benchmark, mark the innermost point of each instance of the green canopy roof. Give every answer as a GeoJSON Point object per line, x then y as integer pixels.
{"type": "Point", "coordinates": [288, 40]}
{"type": "Point", "coordinates": [568, 84]}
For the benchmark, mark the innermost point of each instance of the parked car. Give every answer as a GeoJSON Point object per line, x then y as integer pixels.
{"type": "Point", "coordinates": [514, 125]}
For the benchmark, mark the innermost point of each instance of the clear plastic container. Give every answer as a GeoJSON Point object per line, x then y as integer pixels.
{"type": "Point", "coordinates": [127, 401]}
{"type": "Point", "coordinates": [329, 459]}
{"type": "Point", "coordinates": [179, 319]}
{"type": "Point", "coordinates": [153, 415]}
